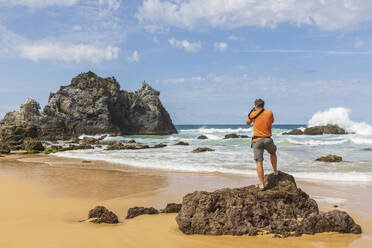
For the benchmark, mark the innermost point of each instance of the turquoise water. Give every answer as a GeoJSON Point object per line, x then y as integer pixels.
{"type": "Point", "coordinates": [296, 154]}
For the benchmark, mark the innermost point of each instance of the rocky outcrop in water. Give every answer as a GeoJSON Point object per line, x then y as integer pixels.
{"type": "Point", "coordinates": [101, 214]}
{"type": "Point", "coordinates": [202, 149]}
{"type": "Point", "coordinates": [202, 137]}
{"type": "Point", "coordinates": [330, 158]}
{"type": "Point", "coordinates": [181, 143]}
{"type": "Point", "coordinates": [318, 130]}
{"type": "Point", "coordinates": [281, 209]}
{"type": "Point", "coordinates": [88, 105]}
{"type": "Point", "coordinates": [235, 136]}
{"type": "Point", "coordinates": [294, 132]}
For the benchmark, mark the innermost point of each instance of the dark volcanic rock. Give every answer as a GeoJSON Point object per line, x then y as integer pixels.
{"type": "Point", "coordinates": [281, 209]}
{"type": "Point", "coordinates": [4, 148]}
{"type": "Point", "coordinates": [89, 105]}
{"type": "Point", "coordinates": [202, 149]}
{"type": "Point", "coordinates": [136, 211]}
{"type": "Point", "coordinates": [30, 144]}
{"type": "Point", "coordinates": [294, 132]}
{"type": "Point", "coordinates": [181, 143]}
{"type": "Point", "coordinates": [329, 129]}
{"type": "Point", "coordinates": [132, 141]}
{"type": "Point", "coordinates": [102, 215]}
{"type": "Point", "coordinates": [330, 158]}
{"type": "Point", "coordinates": [202, 137]}
{"type": "Point", "coordinates": [171, 208]}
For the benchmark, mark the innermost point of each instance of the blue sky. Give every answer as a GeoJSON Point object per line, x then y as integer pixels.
{"type": "Point", "coordinates": [210, 59]}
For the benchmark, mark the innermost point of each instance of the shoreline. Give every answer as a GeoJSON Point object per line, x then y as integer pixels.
{"type": "Point", "coordinates": [65, 190]}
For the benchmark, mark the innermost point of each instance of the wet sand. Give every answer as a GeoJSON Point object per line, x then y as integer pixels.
{"type": "Point", "coordinates": [43, 198]}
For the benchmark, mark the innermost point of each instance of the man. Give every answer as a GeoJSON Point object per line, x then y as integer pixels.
{"type": "Point", "coordinates": [262, 120]}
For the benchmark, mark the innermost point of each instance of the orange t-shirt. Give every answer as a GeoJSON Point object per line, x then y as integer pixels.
{"type": "Point", "coordinates": [262, 124]}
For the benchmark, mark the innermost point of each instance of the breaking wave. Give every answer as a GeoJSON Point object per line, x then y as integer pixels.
{"type": "Point", "coordinates": [340, 116]}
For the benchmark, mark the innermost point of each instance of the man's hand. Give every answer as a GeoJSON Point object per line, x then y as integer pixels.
{"type": "Point", "coordinates": [249, 122]}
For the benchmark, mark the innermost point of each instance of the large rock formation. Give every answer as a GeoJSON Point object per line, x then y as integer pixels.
{"type": "Point", "coordinates": [282, 209]}
{"type": "Point", "coordinates": [89, 105]}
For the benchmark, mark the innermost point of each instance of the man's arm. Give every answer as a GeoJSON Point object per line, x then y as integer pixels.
{"type": "Point", "coordinates": [249, 122]}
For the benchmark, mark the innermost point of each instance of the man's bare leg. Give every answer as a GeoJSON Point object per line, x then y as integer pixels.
{"type": "Point", "coordinates": [274, 162]}
{"type": "Point", "coordinates": [260, 173]}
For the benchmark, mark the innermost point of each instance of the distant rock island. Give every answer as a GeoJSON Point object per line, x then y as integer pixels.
{"type": "Point", "coordinates": [88, 105]}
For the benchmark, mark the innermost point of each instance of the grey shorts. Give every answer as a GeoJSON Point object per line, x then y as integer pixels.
{"type": "Point", "coordinates": [261, 145]}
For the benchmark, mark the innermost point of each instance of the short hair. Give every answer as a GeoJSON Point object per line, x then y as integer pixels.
{"type": "Point", "coordinates": [259, 103]}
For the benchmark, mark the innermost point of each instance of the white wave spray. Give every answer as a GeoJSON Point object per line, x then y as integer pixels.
{"type": "Point", "coordinates": [340, 116]}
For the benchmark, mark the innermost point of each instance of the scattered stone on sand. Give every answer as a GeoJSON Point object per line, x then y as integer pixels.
{"type": "Point", "coordinates": [330, 158]}
{"type": "Point", "coordinates": [181, 143]}
{"type": "Point", "coordinates": [281, 209]}
{"type": "Point", "coordinates": [202, 137]}
{"type": "Point", "coordinates": [335, 206]}
{"type": "Point", "coordinates": [171, 208]}
{"type": "Point", "coordinates": [161, 145]}
{"type": "Point", "coordinates": [367, 149]}
{"type": "Point", "coordinates": [30, 144]}
{"type": "Point", "coordinates": [136, 211]}
{"type": "Point", "coordinates": [202, 149]}
{"type": "Point", "coordinates": [100, 214]}
{"type": "Point", "coordinates": [294, 132]}
{"type": "Point", "coordinates": [4, 148]}
{"type": "Point", "coordinates": [132, 141]}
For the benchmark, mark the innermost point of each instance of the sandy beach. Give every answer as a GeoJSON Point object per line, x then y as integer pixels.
{"type": "Point", "coordinates": [44, 198]}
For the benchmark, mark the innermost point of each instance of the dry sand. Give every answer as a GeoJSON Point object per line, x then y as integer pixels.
{"type": "Point", "coordinates": [43, 198]}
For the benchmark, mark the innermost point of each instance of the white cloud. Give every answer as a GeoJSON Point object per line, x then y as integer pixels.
{"type": "Point", "coordinates": [330, 52]}
{"type": "Point", "coordinates": [76, 28]}
{"type": "Point", "coordinates": [325, 14]}
{"type": "Point", "coordinates": [108, 6]}
{"type": "Point", "coordinates": [221, 46]}
{"type": "Point", "coordinates": [43, 50]}
{"type": "Point", "coordinates": [186, 45]}
{"type": "Point", "coordinates": [135, 57]}
{"type": "Point", "coordinates": [233, 37]}
{"type": "Point", "coordinates": [37, 3]}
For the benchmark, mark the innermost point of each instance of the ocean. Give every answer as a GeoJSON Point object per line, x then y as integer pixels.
{"type": "Point", "coordinates": [296, 154]}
